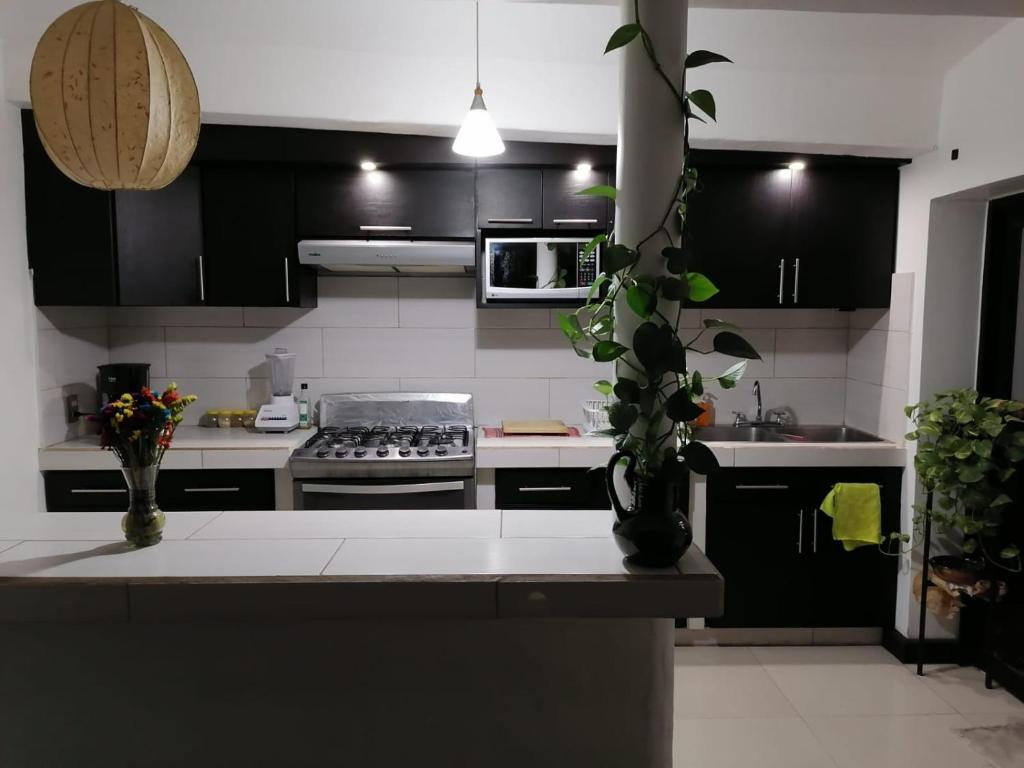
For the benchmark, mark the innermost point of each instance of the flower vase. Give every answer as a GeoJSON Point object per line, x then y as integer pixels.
{"type": "Point", "coordinates": [652, 531]}
{"type": "Point", "coordinates": [143, 523]}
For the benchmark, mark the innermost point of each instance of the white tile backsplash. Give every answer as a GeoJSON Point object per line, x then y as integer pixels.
{"type": "Point", "coordinates": [343, 302]}
{"type": "Point", "coordinates": [426, 352]}
{"type": "Point", "coordinates": [140, 344]}
{"type": "Point", "coordinates": [240, 352]}
{"type": "Point", "coordinates": [419, 333]}
{"type": "Point", "coordinates": [532, 353]}
{"type": "Point", "coordinates": [810, 353]}
{"type": "Point", "coordinates": [866, 360]}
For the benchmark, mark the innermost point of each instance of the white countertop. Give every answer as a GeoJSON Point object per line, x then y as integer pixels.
{"type": "Point", "coordinates": [591, 450]}
{"type": "Point", "coordinates": [308, 543]}
{"type": "Point", "coordinates": [193, 448]}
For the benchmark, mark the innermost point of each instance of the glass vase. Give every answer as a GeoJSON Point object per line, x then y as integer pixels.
{"type": "Point", "coordinates": [143, 523]}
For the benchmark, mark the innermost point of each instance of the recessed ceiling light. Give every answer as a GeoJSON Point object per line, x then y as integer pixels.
{"type": "Point", "coordinates": [797, 165]}
{"type": "Point", "coordinates": [368, 165]}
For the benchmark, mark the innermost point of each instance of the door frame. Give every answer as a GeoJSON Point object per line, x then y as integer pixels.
{"type": "Point", "coordinates": [999, 292]}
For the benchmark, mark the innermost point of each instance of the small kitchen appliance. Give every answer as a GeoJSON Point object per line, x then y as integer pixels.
{"type": "Point", "coordinates": [546, 269]}
{"type": "Point", "coordinates": [281, 414]}
{"type": "Point", "coordinates": [115, 379]}
{"type": "Point", "coordinates": [388, 450]}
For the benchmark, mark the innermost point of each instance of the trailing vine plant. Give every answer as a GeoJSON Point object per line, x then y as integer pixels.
{"type": "Point", "coordinates": [658, 385]}
{"type": "Point", "coordinates": [969, 448]}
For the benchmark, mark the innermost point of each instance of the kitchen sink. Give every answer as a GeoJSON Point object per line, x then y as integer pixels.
{"type": "Point", "coordinates": [826, 433]}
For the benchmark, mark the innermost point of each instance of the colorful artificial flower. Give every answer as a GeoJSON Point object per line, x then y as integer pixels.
{"type": "Point", "coordinates": [139, 426]}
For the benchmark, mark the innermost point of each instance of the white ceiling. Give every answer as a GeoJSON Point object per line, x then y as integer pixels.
{"type": "Point", "coordinates": [1006, 8]}
{"type": "Point", "coordinates": [867, 82]}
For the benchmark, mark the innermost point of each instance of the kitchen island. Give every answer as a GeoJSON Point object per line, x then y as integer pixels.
{"type": "Point", "coordinates": [428, 638]}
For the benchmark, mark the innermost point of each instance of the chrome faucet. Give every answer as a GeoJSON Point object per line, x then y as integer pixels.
{"type": "Point", "coordinates": [756, 392]}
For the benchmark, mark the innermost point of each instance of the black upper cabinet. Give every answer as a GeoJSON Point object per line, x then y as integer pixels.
{"type": "Point", "coordinates": [70, 233]}
{"type": "Point", "coordinates": [160, 243]}
{"type": "Point", "coordinates": [820, 237]}
{"type": "Point", "coordinates": [250, 256]}
{"type": "Point", "coordinates": [509, 198]}
{"type": "Point", "coordinates": [738, 231]}
{"type": "Point", "coordinates": [385, 203]}
{"type": "Point", "coordinates": [844, 217]}
{"type": "Point", "coordinates": [565, 209]}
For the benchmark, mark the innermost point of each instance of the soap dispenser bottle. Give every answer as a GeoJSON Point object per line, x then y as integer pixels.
{"type": "Point", "coordinates": [304, 422]}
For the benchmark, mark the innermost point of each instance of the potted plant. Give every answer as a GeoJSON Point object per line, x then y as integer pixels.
{"type": "Point", "coordinates": [968, 450]}
{"type": "Point", "coordinates": [654, 384]}
{"type": "Point", "coordinates": [138, 429]}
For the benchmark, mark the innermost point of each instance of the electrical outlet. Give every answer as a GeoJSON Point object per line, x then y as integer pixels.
{"type": "Point", "coordinates": [71, 413]}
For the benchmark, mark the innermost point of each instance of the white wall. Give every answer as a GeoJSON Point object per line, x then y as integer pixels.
{"type": "Point", "coordinates": [940, 242]}
{"type": "Point", "coordinates": [19, 463]}
{"type": "Point", "coordinates": [862, 82]}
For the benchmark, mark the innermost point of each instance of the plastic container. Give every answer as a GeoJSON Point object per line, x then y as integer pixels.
{"type": "Point", "coordinates": [249, 419]}
{"type": "Point", "coordinates": [224, 419]}
{"type": "Point", "coordinates": [238, 419]}
{"type": "Point", "coordinates": [595, 415]}
{"type": "Point", "coordinates": [210, 419]}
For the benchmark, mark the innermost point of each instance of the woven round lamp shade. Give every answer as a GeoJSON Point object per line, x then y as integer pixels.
{"type": "Point", "coordinates": [114, 100]}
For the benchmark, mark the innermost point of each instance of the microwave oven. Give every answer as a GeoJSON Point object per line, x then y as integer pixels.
{"type": "Point", "coordinates": [539, 268]}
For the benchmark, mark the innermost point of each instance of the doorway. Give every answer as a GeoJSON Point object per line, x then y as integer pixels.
{"type": "Point", "coordinates": [1001, 337]}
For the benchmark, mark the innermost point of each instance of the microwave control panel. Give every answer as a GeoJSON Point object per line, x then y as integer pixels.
{"type": "Point", "coordinates": [587, 269]}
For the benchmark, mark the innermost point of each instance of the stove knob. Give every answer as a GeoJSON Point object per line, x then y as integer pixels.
{"type": "Point", "coordinates": [360, 452]}
{"type": "Point", "coordinates": [404, 451]}
{"type": "Point", "coordinates": [422, 451]}
{"type": "Point", "coordinates": [322, 453]}
{"type": "Point", "coordinates": [382, 451]}
{"type": "Point", "coordinates": [440, 451]}
{"type": "Point", "coordinates": [341, 454]}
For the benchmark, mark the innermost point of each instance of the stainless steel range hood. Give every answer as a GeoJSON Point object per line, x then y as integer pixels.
{"type": "Point", "coordinates": [375, 257]}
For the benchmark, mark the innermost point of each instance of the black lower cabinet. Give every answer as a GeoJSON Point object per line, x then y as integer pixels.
{"type": "Point", "coordinates": [782, 567]}
{"type": "Point", "coordinates": [543, 488]}
{"type": "Point", "coordinates": [176, 490]}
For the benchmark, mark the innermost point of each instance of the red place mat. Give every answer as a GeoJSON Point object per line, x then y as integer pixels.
{"type": "Point", "coordinates": [499, 432]}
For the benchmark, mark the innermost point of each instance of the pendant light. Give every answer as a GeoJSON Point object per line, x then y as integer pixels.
{"type": "Point", "coordinates": [114, 100]}
{"type": "Point", "coordinates": [478, 136]}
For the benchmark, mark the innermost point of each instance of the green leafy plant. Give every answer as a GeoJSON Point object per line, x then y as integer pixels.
{"type": "Point", "coordinates": [968, 449]}
{"type": "Point", "coordinates": [658, 385]}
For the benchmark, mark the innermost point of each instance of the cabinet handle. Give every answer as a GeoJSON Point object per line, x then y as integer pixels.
{"type": "Point", "coordinates": [99, 490]}
{"type": "Point", "coordinates": [800, 535]}
{"type": "Point", "coordinates": [202, 280]}
{"type": "Point", "coordinates": [574, 221]}
{"type": "Point", "coordinates": [782, 277]}
{"type": "Point", "coordinates": [542, 489]}
{"type": "Point", "coordinates": [796, 281]}
{"type": "Point", "coordinates": [287, 287]}
{"type": "Point", "coordinates": [815, 543]}
{"type": "Point", "coordinates": [762, 487]}
{"type": "Point", "coordinates": [384, 228]}
{"type": "Point", "coordinates": [379, 490]}
{"type": "Point", "coordinates": [212, 490]}
{"type": "Point", "coordinates": [510, 221]}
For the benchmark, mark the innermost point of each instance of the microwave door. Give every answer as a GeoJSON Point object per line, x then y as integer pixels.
{"type": "Point", "coordinates": [537, 268]}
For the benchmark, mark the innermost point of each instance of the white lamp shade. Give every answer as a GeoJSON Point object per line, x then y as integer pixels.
{"type": "Point", "coordinates": [478, 136]}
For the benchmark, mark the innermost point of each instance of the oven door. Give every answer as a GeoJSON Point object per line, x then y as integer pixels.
{"type": "Point", "coordinates": [386, 493]}
{"type": "Point", "coordinates": [539, 268]}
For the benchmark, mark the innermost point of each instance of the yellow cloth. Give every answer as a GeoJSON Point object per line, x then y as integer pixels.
{"type": "Point", "coordinates": [856, 512]}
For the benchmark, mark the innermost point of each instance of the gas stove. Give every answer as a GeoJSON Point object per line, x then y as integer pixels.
{"type": "Point", "coordinates": [392, 434]}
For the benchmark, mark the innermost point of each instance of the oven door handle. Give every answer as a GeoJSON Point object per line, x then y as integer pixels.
{"type": "Point", "coordinates": [377, 490]}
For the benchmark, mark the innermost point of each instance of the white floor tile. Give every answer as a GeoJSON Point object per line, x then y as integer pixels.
{"type": "Point", "coordinates": [725, 682]}
{"type": "Point", "coordinates": [896, 742]}
{"type": "Point", "coordinates": [848, 680]}
{"type": "Point", "coordinates": [745, 743]}
{"type": "Point", "coordinates": [963, 688]}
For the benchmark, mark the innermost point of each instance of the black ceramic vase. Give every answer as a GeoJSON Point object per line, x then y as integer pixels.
{"type": "Point", "coordinates": [653, 531]}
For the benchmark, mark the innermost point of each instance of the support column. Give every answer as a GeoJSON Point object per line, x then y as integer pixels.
{"type": "Point", "coordinates": [650, 149]}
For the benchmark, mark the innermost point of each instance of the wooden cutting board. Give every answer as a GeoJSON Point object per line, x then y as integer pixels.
{"type": "Point", "coordinates": [534, 427]}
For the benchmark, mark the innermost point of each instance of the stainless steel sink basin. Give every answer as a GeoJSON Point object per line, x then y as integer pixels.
{"type": "Point", "coordinates": [827, 433]}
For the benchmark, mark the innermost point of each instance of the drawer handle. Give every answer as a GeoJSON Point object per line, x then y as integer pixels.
{"type": "Point", "coordinates": [384, 228]}
{"type": "Point", "coordinates": [510, 221]}
{"type": "Point", "coordinates": [99, 490]}
{"type": "Point", "coordinates": [574, 221]}
{"type": "Point", "coordinates": [380, 490]}
{"type": "Point", "coordinates": [544, 488]}
{"type": "Point", "coordinates": [762, 487]}
{"type": "Point", "coordinates": [213, 490]}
